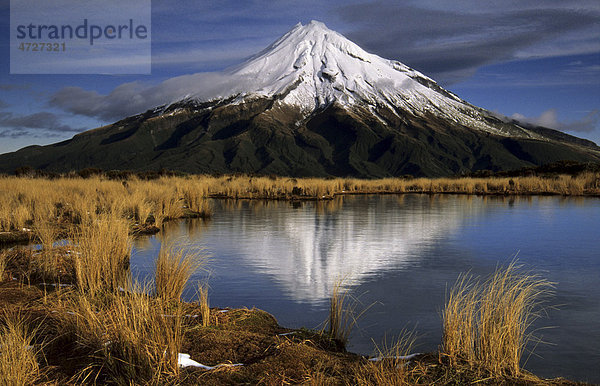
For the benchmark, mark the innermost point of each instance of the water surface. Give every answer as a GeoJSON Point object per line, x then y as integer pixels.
{"type": "Point", "coordinates": [403, 252]}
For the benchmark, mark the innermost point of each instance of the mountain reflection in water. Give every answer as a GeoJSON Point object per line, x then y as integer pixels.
{"type": "Point", "coordinates": [402, 253]}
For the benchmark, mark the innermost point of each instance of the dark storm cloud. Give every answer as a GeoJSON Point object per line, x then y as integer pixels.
{"type": "Point", "coordinates": [20, 125]}
{"type": "Point", "coordinates": [451, 44]}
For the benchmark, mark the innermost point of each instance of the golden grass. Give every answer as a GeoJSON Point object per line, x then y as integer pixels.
{"type": "Point", "coordinates": [174, 267]}
{"type": "Point", "coordinates": [194, 197]}
{"type": "Point", "coordinates": [202, 294]}
{"type": "Point", "coordinates": [459, 320]}
{"type": "Point", "coordinates": [18, 362]}
{"type": "Point", "coordinates": [390, 364]}
{"type": "Point", "coordinates": [489, 323]}
{"type": "Point", "coordinates": [143, 209]}
{"type": "Point", "coordinates": [509, 305]}
{"type": "Point", "coordinates": [2, 266]}
{"type": "Point", "coordinates": [103, 247]}
{"type": "Point", "coordinates": [126, 336]}
{"type": "Point", "coordinates": [343, 314]}
{"type": "Point", "coordinates": [47, 232]}
{"type": "Point", "coordinates": [25, 201]}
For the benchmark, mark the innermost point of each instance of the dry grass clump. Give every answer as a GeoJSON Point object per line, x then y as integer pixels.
{"type": "Point", "coordinates": [143, 209]}
{"type": "Point", "coordinates": [195, 198]}
{"type": "Point", "coordinates": [489, 323]}
{"type": "Point", "coordinates": [460, 319]}
{"type": "Point", "coordinates": [174, 267]}
{"type": "Point", "coordinates": [47, 232]}
{"type": "Point", "coordinates": [4, 217]}
{"type": "Point", "coordinates": [126, 336]}
{"type": "Point", "coordinates": [343, 314]}
{"type": "Point", "coordinates": [103, 246]}
{"type": "Point", "coordinates": [202, 294]}
{"type": "Point", "coordinates": [390, 364]}
{"type": "Point", "coordinates": [2, 266]}
{"type": "Point", "coordinates": [18, 355]}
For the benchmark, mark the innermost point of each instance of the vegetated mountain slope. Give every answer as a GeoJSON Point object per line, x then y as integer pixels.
{"type": "Point", "coordinates": [313, 104]}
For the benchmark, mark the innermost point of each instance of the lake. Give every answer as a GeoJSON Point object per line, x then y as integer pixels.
{"type": "Point", "coordinates": [402, 253]}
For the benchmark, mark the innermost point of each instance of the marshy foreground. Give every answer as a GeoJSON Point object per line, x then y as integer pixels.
{"type": "Point", "coordinates": [72, 313]}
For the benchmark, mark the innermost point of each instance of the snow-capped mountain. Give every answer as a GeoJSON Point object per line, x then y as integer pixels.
{"type": "Point", "coordinates": [312, 67]}
{"type": "Point", "coordinates": [313, 103]}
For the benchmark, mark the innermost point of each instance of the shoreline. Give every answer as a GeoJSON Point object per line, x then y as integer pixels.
{"type": "Point", "coordinates": [248, 346]}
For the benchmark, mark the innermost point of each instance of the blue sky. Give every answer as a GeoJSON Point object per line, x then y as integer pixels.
{"type": "Point", "coordinates": [538, 61]}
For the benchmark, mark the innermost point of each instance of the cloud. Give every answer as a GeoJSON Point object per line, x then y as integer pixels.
{"type": "Point", "coordinates": [7, 133]}
{"type": "Point", "coordinates": [451, 43]}
{"type": "Point", "coordinates": [22, 125]}
{"type": "Point", "coordinates": [135, 97]}
{"type": "Point", "coordinates": [549, 118]}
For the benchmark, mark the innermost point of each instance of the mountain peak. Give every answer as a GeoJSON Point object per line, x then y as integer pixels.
{"type": "Point", "coordinates": [313, 42]}
{"type": "Point", "coordinates": [315, 24]}
{"type": "Point", "coordinates": [311, 67]}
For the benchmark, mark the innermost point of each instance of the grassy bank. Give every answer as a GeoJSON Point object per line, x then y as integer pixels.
{"type": "Point", "coordinates": [44, 209]}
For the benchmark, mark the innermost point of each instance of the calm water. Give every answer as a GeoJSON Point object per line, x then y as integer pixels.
{"type": "Point", "coordinates": [403, 252]}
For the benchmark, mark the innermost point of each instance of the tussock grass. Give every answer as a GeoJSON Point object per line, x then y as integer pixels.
{"type": "Point", "coordinates": [174, 267]}
{"type": "Point", "coordinates": [18, 355]}
{"type": "Point", "coordinates": [2, 266]}
{"type": "Point", "coordinates": [103, 246]}
{"type": "Point", "coordinates": [47, 232]}
{"type": "Point", "coordinates": [343, 314]}
{"type": "Point", "coordinates": [126, 336]}
{"type": "Point", "coordinates": [390, 366]}
{"type": "Point", "coordinates": [488, 323]}
{"type": "Point", "coordinates": [202, 294]}
{"type": "Point", "coordinates": [143, 209]}
{"type": "Point", "coordinates": [136, 334]}
{"type": "Point", "coordinates": [459, 319]}
{"type": "Point", "coordinates": [20, 215]}
{"type": "Point", "coordinates": [194, 197]}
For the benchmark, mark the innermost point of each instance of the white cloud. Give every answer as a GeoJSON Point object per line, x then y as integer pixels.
{"type": "Point", "coordinates": [549, 118]}
{"type": "Point", "coordinates": [135, 97]}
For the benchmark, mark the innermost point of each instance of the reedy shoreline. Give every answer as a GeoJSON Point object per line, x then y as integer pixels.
{"type": "Point", "coordinates": [28, 203]}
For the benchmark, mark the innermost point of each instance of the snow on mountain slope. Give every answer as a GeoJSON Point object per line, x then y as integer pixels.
{"type": "Point", "coordinates": [312, 66]}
